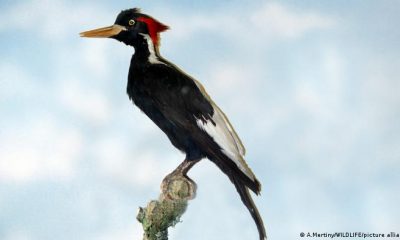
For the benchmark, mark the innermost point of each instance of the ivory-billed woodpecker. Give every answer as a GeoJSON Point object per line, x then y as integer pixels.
{"type": "Point", "coordinates": [179, 105]}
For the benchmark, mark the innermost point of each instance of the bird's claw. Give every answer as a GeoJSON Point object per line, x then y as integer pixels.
{"type": "Point", "coordinates": [178, 186]}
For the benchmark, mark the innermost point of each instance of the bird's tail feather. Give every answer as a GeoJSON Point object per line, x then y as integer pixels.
{"type": "Point", "coordinates": [242, 183]}
{"type": "Point", "coordinates": [249, 203]}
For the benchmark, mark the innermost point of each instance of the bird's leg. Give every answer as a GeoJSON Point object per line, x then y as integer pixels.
{"type": "Point", "coordinates": [185, 166]}
{"type": "Point", "coordinates": [179, 179]}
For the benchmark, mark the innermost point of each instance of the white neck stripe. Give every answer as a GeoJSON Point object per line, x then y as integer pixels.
{"type": "Point", "coordinates": [153, 56]}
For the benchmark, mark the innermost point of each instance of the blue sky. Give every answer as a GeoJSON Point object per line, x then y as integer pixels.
{"type": "Point", "coordinates": [310, 86]}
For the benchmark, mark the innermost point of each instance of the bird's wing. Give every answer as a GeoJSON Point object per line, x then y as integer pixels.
{"type": "Point", "coordinates": [229, 128]}
{"type": "Point", "coordinates": [185, 102]}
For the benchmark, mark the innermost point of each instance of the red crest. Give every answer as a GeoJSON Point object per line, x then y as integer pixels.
{"type": "Point", "coordinates": [154, 27]}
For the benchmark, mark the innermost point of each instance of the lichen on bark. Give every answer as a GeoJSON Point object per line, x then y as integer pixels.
{"type": "Point", "coordinates": [159, 215]}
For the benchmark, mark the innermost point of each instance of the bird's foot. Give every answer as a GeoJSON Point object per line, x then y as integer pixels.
{"type": "Point", "coordinates": [178, 186]}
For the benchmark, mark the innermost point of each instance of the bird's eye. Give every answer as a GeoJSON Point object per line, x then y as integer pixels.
{"type": "Point", "coordinates": [131, 22]}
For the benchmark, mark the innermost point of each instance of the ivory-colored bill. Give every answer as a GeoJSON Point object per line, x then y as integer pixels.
{"type": "Point", "coordinates": [103, 32]}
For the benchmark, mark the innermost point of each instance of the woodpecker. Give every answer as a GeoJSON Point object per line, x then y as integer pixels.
{"type": "Point", "coordinates": [179, 105]}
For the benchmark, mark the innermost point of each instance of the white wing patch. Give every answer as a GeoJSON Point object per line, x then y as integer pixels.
{"type": "Point", "coordinates": [222, 133]}
{"type": "Point", "coordinates": [232, 131]}
{"type": "Point", "coordinates": [238, 142]}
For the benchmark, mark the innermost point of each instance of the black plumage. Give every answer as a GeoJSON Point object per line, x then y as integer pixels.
{"type": "Point", "coordinates": [179, 105]}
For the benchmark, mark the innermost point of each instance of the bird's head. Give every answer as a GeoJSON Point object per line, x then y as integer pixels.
{"type": "Point", "coordinates": [131, 27]}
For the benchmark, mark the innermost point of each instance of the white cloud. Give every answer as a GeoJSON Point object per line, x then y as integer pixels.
{"type": "Point", "coordinates": [322, 92]}
{"type": "Point", "coordinates": [378, 206]}
{"type": "Point", "coordinates": [276, 20]}
{"type": "Point", "coordinates": [88, 102]}
{"type": "Point", "coordinates": [38, 150]}
{"type": "Point", "coordinates": [271, 21]}
{"type": "Point", "coordinates": [14, 81]}
{"type": "Point", "coordinates": [129, 232]}
{"type": "Point", "coordinates": [94, 55]}
{"type": "Point", "coordinates": [142, 167]}
{"type": "Point", "coordinates": [50, 19]}
{"type": "Point", "coordinates": [16, 235]}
